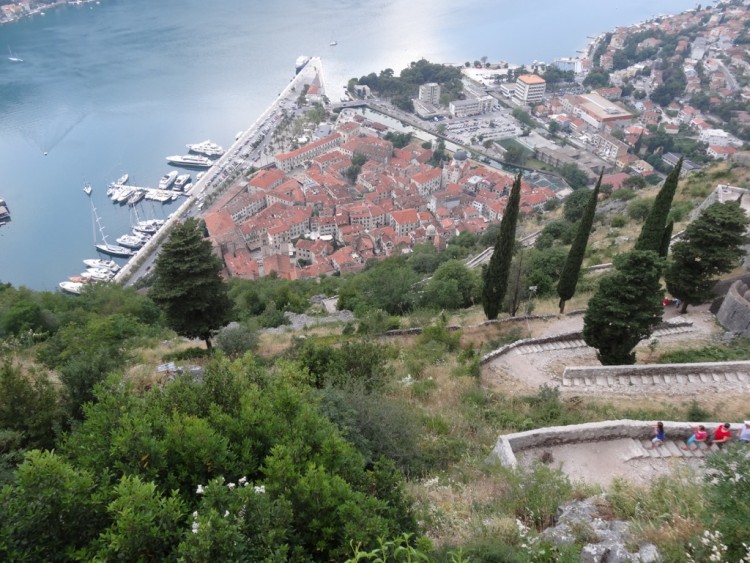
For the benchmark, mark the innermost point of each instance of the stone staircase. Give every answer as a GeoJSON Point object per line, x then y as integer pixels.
{"type": "Point", "coordinates": [550, 345]}
{"type": "Point", "coordinates": [735, 379]}
{"type": "Point", "coordinates": [641, 449]}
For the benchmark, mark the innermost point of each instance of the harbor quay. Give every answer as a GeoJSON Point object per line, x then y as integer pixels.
{"type": "Point", "coordinates": [239, 156]}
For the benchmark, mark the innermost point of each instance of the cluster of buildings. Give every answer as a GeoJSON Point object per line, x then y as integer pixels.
{"type": "Point", "coordinates": [17, 9]}
{"type": "Point", "coordinates": [304, 217]}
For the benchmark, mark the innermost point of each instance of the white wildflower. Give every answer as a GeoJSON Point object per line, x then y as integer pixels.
{"type": "Point", "coordinates": [226, 513]}
{"type": "Point", "coordinates": [195, 527]}
{"type": "Point", "coordinates": [259, 489]}
{"type": "Point", "coordinates": [231, 486]}
{"type": "Point", "coordinates": [243, 481]}
{"type": "Point", "coordinates": [195, 515]}
{"type": "Point", "coordinates": [199, 490]}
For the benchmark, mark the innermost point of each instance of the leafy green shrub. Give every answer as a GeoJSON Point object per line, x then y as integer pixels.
{"type": "Point", "coordinates": [376, 321]}
{"type": "Point", "coordinates": [618, 221]}
{"type": "Point", "coordinates": [237, 339]}
{"type": "Point", "coordinates": [623, 194]}
{"type": "Point", "coordinates": [192, 353]}
{"type": "Point", "coordinates": [535, 494]}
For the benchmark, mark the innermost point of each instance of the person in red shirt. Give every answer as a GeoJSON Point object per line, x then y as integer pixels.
{"type": "Point", "coordinates": [723, 434]}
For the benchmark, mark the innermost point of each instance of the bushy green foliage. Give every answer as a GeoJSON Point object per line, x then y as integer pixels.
{"type": "Point", "coordinates": [626, 307]}
{"type": "Point", "coordinates": [712, 245]}
{"type": "Point", "coordinates": [535, 494]}
{"type": "Point", "coordinates": [30, 406]}
{"type": "Point", "coordinates": [206, 441]}
{"type": "Point", "coordinates": [738, 349]}
{"type": "Point", "coordinates": [729, 498]}
{"type": "Point", "coordinates": [353, 363]}
{"type": "Point", "coordinates": [388, 285]}
{"type": "Point", "coordinates": [235, 340]}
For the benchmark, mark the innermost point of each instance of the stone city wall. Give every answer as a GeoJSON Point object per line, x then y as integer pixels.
{"type": "Point", "coordinates": [507, 445]}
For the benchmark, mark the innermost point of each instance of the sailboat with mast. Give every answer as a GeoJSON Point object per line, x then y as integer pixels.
{"type": "Point", "coordinates": [13, 58]}
{"type": "Point", "coordinates": [104, 246]}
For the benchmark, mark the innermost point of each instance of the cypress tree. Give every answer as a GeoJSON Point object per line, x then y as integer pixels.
{"type": "Point", "coordinates": [566, 287]}
{"type": "Point", "coordinates": [653, 228]}
{"type": "Point", "coordinates": [498, 270]}
{"type": "Point", "coordinates": [666, 239]}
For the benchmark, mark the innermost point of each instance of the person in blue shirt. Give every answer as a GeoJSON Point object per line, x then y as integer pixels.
{"type": "Point", "coordinates": [659, 435]}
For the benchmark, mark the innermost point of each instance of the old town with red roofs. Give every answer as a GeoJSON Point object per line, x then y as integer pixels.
{"type": "Point", "coordinates": [302, 217]}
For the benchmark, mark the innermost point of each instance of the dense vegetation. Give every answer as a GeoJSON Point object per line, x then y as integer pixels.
{"type": "Point", "coordinates": [402, 88]}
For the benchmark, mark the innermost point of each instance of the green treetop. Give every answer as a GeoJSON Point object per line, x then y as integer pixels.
{"type": "Point", "coordinates": [496, 274]}
{"type": "Point", "coordinates": [711, 245]}
{"type": "Point", "coordinates": [566, 287]}
{"type": "Point", "coordinates": [626, 307]}
{"type": "Point", "coordinates": [187, 286]}
{"type": "Point", "coordinates": [653, 228]}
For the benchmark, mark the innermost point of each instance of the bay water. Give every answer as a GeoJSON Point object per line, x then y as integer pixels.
{"type": "Point", "coordinates": [113, 87]}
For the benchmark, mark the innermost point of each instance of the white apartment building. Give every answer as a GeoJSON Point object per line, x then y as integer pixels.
{"type": "Point", "coordinates": [430, 93]}
{"type": "Point", "coordinates": [530, 89]}
{"type": "Point", "coordinates": [472, 106]}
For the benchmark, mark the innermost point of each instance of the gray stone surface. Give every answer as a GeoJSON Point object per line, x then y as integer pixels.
{"type": "Point", "coordinates": [734, 313]}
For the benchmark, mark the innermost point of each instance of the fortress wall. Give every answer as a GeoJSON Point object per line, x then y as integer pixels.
{"type": "Point", "coordinates": [734, 313]}
{"type": "Point", "coordinates": [507, 445]}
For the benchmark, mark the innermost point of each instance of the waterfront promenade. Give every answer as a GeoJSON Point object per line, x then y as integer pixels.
{"type": "Point", "coordinates": [234, 162]}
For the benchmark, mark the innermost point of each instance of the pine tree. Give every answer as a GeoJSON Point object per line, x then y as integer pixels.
{"type": "Point", "coordinates": [653, 228]}
{"type": "Point", "coordinates": [187, 286]}
{"type": "Point", "coordinates": [566, 287]}
{"type": "Point", "coordinates": [711, 245]}
{"type": "Point", "coordinates": [626, 307]}
{"type": "Point", "coordinates": [496, 274]}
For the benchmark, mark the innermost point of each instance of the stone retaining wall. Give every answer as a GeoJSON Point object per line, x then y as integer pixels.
{"type": "Point", "coordinates": [625, 372]}
{"type": "Point", "coordinates": [734, 313]}
{"type": "Point", "coordinates": [507, 445]}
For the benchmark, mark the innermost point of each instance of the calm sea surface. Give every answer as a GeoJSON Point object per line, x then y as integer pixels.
{"type": "Point", "coordinates": [115, 87]}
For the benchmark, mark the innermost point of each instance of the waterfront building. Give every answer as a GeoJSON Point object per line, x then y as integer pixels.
{"type": "Point", "coordinates": [289, 160]}
{"type": "Point", "coordinates": [430, 93]}
{"type": "Point", "coordinates": [530, 89]}
{"type": "Point", "coordinates": [472, 106]}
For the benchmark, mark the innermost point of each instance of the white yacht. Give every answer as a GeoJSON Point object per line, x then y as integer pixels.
{"type": "Point", "coordinates": [167, 180]}
{"type": "Point", "coordinates": [102, 264]}
{"type": "Point", "coordinates": [133, 241]}
{"type": "Point", "coordinates": [180, 182]}
{"type": "Point", "coordinates": [207, 148]}
{"type": "Point", "coordinates": [71, 287]}
{"type": "Point", "coordinates": [191, 160]}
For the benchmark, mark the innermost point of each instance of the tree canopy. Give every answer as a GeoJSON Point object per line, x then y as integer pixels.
{"type": "Point", "coordinates": [625, 308]}
{"type": "Point", "coordinates": [497, 272]}
{"type": "Point", "coordinates": [187, 286]}
{"type": "Point", "coordinates": [711, 245]}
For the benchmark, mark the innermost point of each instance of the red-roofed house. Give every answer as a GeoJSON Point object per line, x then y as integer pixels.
{"type": "Point", "coordinates": [428, 181]}
{"type": "Point", "coordinates": [265, 180]}
{"type": "Point", "coordinates": [289, 160]}
{"type": "Point", "coordinates": [404, 221]}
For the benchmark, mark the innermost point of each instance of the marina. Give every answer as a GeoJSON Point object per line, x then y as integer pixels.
{"type": "Point", "coordinates": [100, 103]}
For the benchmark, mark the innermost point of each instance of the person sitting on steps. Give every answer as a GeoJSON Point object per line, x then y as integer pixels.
{"type": "Point", "coordinates": [744, 434]}
{"type": "Point", "coordinates": [659, 435]}
{"type": "Point", "coordinates": [722, 434]}
{"type": "Point", "coordinates": [700, 435]}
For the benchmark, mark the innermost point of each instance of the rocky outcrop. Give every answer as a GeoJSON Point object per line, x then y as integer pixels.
{"type": "Point", "coordinates": [605, 540]}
